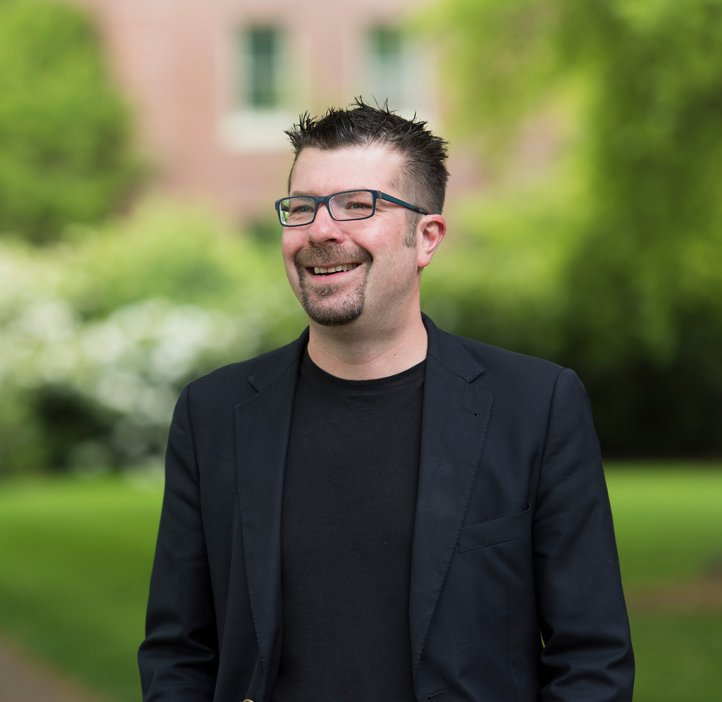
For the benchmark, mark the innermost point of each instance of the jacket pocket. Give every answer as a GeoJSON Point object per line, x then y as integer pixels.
{"type": "Point", "coordinates": [495, 531]}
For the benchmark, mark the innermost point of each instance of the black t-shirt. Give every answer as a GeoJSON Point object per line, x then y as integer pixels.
{"type": "Point", "coordinates": [348, 514]}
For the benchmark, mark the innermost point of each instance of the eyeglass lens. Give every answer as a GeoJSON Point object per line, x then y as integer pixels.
{"type": "Point", "coordinates": [356, 204]}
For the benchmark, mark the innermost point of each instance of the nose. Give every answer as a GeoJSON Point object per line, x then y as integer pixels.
{"type": "Point", "coordinates": [324, 228]}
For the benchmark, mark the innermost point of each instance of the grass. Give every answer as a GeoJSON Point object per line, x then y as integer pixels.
{"type": "Point", "coordinates": [668, 520]}
{"type": "Point", "coordinates": [75, 557]}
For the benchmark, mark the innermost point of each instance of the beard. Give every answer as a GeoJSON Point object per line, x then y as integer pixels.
{"type": "Point", "coordinates": [331, 304]}
{"type": "Point", "coordinates": [337, 313]}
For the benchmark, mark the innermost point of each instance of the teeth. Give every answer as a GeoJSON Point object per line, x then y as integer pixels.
{"type": "Point", "coordinates": [334, 269]}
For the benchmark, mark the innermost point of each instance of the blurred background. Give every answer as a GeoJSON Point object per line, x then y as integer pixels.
{"type": "Point", "coordinates": [141, 150]}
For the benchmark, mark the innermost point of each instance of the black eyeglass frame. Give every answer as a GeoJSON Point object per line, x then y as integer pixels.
{"type": "Point", "coordinates": [324, 200]}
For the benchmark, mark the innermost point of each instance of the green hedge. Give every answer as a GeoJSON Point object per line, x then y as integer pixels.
{"type": "Point", "coordinates": [624, 100]}
{"type": "Point", "coordinates": [520, 272]}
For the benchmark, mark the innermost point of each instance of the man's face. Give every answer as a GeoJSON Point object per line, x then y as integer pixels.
{"type": "Point", "coordinates": [379, 272]}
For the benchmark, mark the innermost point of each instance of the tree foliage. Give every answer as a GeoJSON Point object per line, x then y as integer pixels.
{"type": "Point", "coordinates": [64, 132]}
{"type": "Point", "coordinates": [641, 82]}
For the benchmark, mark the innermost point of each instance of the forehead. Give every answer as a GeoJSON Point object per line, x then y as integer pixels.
{"type": "Point", "coordinates": [324, 171]}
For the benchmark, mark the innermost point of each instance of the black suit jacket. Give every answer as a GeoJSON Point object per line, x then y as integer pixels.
{"type": "Point", "coordinates": [515, 586]}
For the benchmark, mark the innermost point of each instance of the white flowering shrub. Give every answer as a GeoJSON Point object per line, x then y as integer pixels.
{"type": "Point", "coordinates": [89, 373]}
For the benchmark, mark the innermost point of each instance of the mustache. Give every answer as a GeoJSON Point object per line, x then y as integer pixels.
{"type": "Point", "coordinates": [330, 253]}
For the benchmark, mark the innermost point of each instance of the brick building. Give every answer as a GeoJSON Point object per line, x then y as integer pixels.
{"type": "Point", "coordinates": [215, 82]}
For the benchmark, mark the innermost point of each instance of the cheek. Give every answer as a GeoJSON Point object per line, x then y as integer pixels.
{"type": "Point", "coordinates": [403, 263]}
{"type": "Point", "coordinates": [289, 249]}
{"type": "Point", "coordinates": [288, 253]}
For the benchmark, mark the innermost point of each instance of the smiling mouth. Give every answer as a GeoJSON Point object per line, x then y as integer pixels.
{"type": "Point", "coordinates": [330, 270]}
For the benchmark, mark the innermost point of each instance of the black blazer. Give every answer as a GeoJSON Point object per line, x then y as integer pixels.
{"type": "Point", "coordinates": [515, 586]}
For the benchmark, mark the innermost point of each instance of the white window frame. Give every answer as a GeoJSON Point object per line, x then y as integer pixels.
{"type": "Point", "coordinates": [245, 126]}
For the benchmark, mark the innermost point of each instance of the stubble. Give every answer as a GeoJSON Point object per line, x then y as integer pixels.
{"type": "Point", "coordinates": [331, 304]}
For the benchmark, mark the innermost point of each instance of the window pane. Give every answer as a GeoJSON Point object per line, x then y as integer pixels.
{"type": "Point", "coordinates": [263, 60]}
{"type": "Point", "coordinates": [389, 66]}
{"type": "Point", "coordinates": [387, 46]}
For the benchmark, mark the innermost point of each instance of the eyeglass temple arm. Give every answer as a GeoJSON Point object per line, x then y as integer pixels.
{"type": "Point", "coordinates": [403, 203]}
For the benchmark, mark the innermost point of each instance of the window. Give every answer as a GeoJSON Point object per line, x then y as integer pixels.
{"type": "Point", "coordinates": [257, 111]}
{"type": "Point", "coordinates": [393, 70]}
{"type": "Point", "coordinates": [262, 56]}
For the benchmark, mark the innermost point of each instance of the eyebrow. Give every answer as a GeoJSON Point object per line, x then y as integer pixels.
{"type": "Point", "coordinates": [304, 193]}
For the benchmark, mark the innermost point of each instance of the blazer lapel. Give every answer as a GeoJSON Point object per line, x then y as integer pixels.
{"type": "Point", "coordinates": [262, 428]}
{"type": "Point", "coordinates": [455, 416]}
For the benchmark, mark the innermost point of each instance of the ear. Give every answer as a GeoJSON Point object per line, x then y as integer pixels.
{"type": "Point", "coordinates": [429, 233]}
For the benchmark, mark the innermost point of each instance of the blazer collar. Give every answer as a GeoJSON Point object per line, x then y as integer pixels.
{"type": "Point", "coordinates": [448, 350]}
{"type": "Point", "coordinates": [278, 362]}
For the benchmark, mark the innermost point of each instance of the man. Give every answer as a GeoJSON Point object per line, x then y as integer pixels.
{"type": "Point", "coordinates": [381, 510]}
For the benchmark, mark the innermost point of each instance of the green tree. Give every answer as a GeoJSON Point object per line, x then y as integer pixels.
{"type": "Point", "coordinates": [641, 83]}
{"type": "Point", "coordinates": [64, 131]}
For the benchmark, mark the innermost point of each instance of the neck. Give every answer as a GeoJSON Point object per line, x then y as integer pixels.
{"type": "Point", "coordinates": [356, 352]}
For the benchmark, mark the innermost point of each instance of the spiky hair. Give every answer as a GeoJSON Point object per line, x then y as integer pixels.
{"type": "Point", "coordinates": [362, 124]}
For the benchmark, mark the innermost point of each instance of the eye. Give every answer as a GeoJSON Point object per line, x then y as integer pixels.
{"type": "Point", "coordinates": [358, 205]}
{"type": "Point", "coordinates": [299, 209]}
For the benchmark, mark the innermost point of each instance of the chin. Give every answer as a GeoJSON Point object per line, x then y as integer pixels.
{"type": "Point", "coordinates": [332, 315]}
{"type": "Point", "coordinates": [333, 318]}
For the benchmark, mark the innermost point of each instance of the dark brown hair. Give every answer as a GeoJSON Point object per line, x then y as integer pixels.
{"type": "Point", "coordinates": [360, 125]}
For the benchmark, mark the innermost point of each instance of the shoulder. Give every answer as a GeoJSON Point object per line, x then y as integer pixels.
{"type": "Point", "coordinates": [529, 394]}
{"type": "Point", "coordinates": [527, 384]}
{"type": "Point", "coordinates": [235, 382]}
{"type": "Point", "coordinates": [498, 365]}
{"type": "Point", "coordinates": [523, 378]}
{"type": "Point", "coordinates": [507, 365]}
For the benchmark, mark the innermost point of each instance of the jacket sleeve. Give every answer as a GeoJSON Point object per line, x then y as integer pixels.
{"type": "Point", "coordinates": [587, 651]}
{"type": "Point", "coordinates": [178, 659]}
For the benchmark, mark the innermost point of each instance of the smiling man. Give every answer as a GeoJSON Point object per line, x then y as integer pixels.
{"type": "Point", "coordinates": [381, 510]}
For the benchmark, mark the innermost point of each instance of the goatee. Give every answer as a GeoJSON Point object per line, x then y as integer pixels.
{"type": "Point", "coordinates": [350, 303]}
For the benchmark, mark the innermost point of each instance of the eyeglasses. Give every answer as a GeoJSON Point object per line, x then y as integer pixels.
{"type": "Point", "coordinates": [348, 205]}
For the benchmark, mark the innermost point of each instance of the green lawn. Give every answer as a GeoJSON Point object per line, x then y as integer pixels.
{"type": "Point", "coordinates": [668, 521]}
{"type": "Point", "coordinates": [75, 557]}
